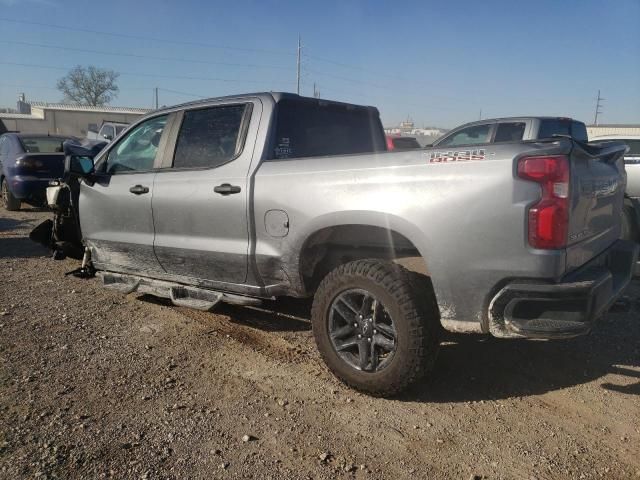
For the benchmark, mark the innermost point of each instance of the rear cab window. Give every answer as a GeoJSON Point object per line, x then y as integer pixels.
{"type": "Point", "coordinates": [316, 128]}
{"type": "Point", "coordinates": [562, 126]}
{"type": "Point", "coordinates": [510, 131]}
{"type": "Point", "coordinates": [634, 148]}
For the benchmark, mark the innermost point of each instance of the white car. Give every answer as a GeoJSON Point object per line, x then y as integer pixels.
{"type": "Point", "coordinates": [631, 223]}
{"type": "Point", "coordinates": [107, 132]}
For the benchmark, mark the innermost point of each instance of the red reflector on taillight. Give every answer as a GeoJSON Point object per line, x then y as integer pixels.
{"type": "Point", "coordinates": [549, 218]}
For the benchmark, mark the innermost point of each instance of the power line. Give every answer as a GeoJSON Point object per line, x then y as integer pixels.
{"type": "Point", "coordinates": [140, 37]}
{"type": "Point", "coordinates": [350, 80]}
{"type": "Point", "coordinates": [151, 75]}
{"type": "Point", "coordinates": [133, 55]}
{"type": "Point", "coordinates": [183, 93]}
{"type": "Point", "coordinates": [25, 86]}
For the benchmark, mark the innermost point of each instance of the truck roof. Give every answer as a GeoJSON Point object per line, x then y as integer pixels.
{"type": "Point", "coordinates": [275, 96]}
{"type": "Point", "coordinates": [514, 119]}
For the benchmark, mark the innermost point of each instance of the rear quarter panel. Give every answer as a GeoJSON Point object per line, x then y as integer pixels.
{"type": "Point", "coordinates": [466, 218]}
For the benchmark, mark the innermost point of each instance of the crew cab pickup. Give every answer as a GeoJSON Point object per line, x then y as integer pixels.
{"type": "Point", "coordinates": [512, 129]}
{"type": "Point", "coordinates": [256, 196]}
{"type": "Point", "coordinates": [631, 218]}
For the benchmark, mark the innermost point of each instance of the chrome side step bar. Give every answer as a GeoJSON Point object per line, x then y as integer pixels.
{"type": "Point", "coordinates": [180, 295]}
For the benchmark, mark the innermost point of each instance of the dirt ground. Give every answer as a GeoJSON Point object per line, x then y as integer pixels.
{"type": "Point", "coordinates": [95, 384]}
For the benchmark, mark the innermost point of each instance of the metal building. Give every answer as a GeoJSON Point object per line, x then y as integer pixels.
{"type": "Point", "coordinates": [64, 119]}
{"type": "Point", "coordinates": [612, 129]}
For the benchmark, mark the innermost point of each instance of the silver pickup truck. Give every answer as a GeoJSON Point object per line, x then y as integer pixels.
{"type": "Point", "coordinates": [631, 218]}
{"type": "Point", "coordinates": [511, 129]}
{"type": "Point", "coordinates": [257, 196]}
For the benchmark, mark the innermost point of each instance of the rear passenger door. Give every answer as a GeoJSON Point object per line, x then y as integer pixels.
{"type": "Point", "coordinates": [200, 200]}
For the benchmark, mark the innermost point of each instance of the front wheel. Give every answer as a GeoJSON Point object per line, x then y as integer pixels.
{"type": "Point", "coordinates": [375, 328]}
{"type": "Point", "coordinates": [9, 202]}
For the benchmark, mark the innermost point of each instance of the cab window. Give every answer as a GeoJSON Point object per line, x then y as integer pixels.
{"type": "Point", "coordinates": [510, 132]}
{"type": "Point", "coordinates": [473, 135]}
{"type": "Point", "coordinates": [209, 137]}
{"type": "Point", "coordinates": [137, 150]}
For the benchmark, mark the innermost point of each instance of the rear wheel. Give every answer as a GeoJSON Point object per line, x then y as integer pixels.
{"type": "Point", "coordinates": [9, 202]}
{"type": "Point", "coordinates": [375, 329]}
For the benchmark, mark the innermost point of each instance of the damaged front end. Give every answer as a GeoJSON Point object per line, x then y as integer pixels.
{"type": "Point", "coordinates": [62, 234]}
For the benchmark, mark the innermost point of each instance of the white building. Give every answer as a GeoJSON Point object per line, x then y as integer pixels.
{"type": "Point", "coordinates": [612, 129]}
{"type": "Point", "coordinates": [63, 119]}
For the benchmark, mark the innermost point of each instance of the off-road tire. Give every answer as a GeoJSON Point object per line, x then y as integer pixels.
{"type": "Point", "coordinates": [9, 202]}
{"type": "Point", "coordinates": [410, 301]}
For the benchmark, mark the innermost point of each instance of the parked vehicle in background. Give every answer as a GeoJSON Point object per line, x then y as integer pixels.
{"type": "Point", "coordinates": [396, 142]}
{"type": "Point", "coordinates": [265, 195]}
{"type": "Point", "coordinates": [631, 223]}
{"type": "Point", "coordinates": [512, 129]}
{"type": "Point", "coordinates": [108, 131]}
{"type": "Point", "coordinates": [27, 163]}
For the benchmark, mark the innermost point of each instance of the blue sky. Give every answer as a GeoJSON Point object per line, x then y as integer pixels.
{"type": "Point", "coordinates": [437, 62]}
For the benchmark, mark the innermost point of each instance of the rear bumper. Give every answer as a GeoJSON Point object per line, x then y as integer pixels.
{"type": "Point", "coordinates": [528, 308]}
{"type": "Point", "coordinates": [28, 188]}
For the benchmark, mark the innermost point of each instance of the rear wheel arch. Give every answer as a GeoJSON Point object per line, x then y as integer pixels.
{"type": "Point", "coordinates": [329, 247]}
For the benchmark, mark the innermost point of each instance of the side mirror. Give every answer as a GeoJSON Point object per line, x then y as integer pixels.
{"type": "Point", "coordinates": [79, 166]}
{"type": "Point", "coordinates": [107, 137]}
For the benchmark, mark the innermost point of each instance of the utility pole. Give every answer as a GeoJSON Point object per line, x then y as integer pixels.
{"type": "Point", "coordinates": [480, 117]}
{"type": "Point", "coordinates": [298, 64]}
{"type": "Point", "coordinates": [598, 111]}
{"type": "Point", "coordinates": [156, 96]}
{"type": "Point", "coordinates": [316, 91]}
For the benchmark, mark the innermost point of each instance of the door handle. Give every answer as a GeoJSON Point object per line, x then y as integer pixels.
{"type": "Point", "coordinates": [226, 189]}
{"type": "Point", "coordinates": [139, 189]}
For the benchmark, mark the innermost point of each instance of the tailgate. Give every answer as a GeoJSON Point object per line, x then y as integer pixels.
{"type": "Point", "coordinates": [598, 181]}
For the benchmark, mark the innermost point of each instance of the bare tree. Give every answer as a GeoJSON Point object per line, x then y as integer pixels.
{"type": "Point", "coordinates": [89, 85]}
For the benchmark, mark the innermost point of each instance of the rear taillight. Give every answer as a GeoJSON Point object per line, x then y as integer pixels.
{"type": "Point", "coordinates": [549, 217]}
{"type": "Point", "coordinates": [29, 164]}
{"type": "Point", "coordinates": [390, 145]}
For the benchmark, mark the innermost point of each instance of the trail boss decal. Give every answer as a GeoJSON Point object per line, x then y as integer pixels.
{"type": "Point", "coordinates": [457, 156]}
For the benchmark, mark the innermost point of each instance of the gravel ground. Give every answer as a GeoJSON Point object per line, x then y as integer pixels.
{"type": "Point", "coordinates": [94, 384]}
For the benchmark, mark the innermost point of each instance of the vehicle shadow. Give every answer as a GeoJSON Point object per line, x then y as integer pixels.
{"type": "Point", "coordinates": [480, 367]}
{"type": "Point", "coordinates": [7, 224]}
{"type": "Point", "coordinates": [474, 368]}
{"type": "Point", "coordinates": [277, 316]}
{"type": "Point", "coordinates": [283, 315]}
{"type": "Point", "coordinates": [21, 247]}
